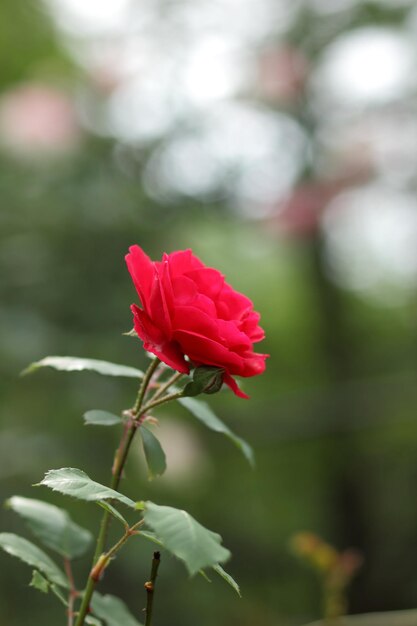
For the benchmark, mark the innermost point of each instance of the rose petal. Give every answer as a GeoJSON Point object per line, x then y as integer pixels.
{"type": "Point", "coordinates": [192, 319]}
{"type": "Point", "coordinates": [165, 278]}
{"type": "Point", "coordinates": [183, 261]}
{"type": "Point", "coordinates": [231, 304]}
{"type": "Point", "coordinates": [250, 326]}
{"type": "Point", "coordinates": [145, 328]}
{"type": "Point", "coordinates": [232, 337]}
{"type": "Point", "coordinates": [203, 350]}
{"type": "Point", "coordinates": [142, 272]}
{"type": "Point", "coordinates": [208, 280]}
{"type": "Point", "coordinates": [205, 304]}
{"type": "Point", "coordinates": [230, 382]}
{"type": "Point", "coordinates": [254, 365]}
{"type": "Point", "coordinates": [170, 354]}
{"type": "Point", "coordinates": [158, 307]}
{"type": "Point", "coordinates": [154, 341]}
{"type": "Point", "coordinates": [184, 290]}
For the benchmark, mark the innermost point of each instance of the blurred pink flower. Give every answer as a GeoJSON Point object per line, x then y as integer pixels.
{"type": "Point", "coordinates": [37, 120]}
{"type": "Point", "coordinates": [282, 73]}
{"type": "Point", "coordinates": [300, 214]}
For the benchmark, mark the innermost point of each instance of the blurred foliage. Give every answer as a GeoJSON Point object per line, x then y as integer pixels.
{"type": "Point", "coordinates": [27, 43]}
{"type": "Point", "coordinates": [332, 421]}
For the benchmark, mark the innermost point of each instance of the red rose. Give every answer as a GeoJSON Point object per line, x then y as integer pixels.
{"type": "Point", "coordinates": [189, 309]}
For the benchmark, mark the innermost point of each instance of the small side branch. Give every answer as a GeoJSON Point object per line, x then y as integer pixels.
{"type": "Point", "coordinates": [72, 592]}
{"type": "Point", "coordinates": [144, 386]}
{"type": "Point", "coordinates": [98, 569]}
{"type": "Point", "coordinates": [152, 404]}
{"type": "Point", "coordinates": [150, 587]}
{"type": "Point", "coordinates": [164, 386]}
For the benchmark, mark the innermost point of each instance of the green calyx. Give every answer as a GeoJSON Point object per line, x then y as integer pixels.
{"type": "Point", "coordinates": [206, 379]}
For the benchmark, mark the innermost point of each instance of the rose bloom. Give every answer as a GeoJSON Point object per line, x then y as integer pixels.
{"type": "Point", "coordinates": [189, 310]}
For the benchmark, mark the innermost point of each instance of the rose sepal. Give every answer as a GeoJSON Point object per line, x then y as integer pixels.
{"type": "Point", "coordinates": [206, 379]}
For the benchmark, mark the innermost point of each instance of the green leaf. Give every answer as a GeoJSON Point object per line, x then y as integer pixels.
{"type": "Point", "coordinates": [32, 555]}
{"type": "Point", "coordinates": [53, 526]}
{"type": "Point", "coordinates": [39, 582]}
{"type": "Point", "coordinates": [112, 610]}
{"type": "Point", "coordinates": [230, 581]}
{"type": "Point", "coordinates": [154, 454]}
{"type": "Point", "coordinates": [114, 512]}
{"type": "Point", "coordinates": [101, 418]}
{"type": "Point", "coordinates": [151, 537]}
{"type": "Point", "coordinates": [76, 364]}
{"type": "Point", "coordinates": [182, 535]}
{"type": "Point", "coordinates": [204, 414]}
{"type": "Point", "coordinates": [217, 568]}
{"type": "Point", "coordinates": [58, 593]}
{"type": "Point", "coordinates": [74, 482]}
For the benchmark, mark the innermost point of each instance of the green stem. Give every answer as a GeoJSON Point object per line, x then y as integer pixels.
{"type": "Point", "coordinates": [105, 558]}
{"type": "Point", "coordinates": [152, 405]}
{"type": "Point", "coordinates": [150, 588]}
{"type": "Point", "coordinates": [129, 533]}
{"type": "Point", "coordinates": [145, 382]}
{"type": "Point", "coordinates": [85, 604]}
{"type": "Point", "coordinates": [100, 566]}
{"type": "Point", "coordinates": [164, 386]}
{"type": "Point", "coordinates": [117, 474]}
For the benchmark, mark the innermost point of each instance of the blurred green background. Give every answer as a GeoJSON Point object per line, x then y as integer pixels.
{"type": "Point", "coordinates": [278, 140]}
